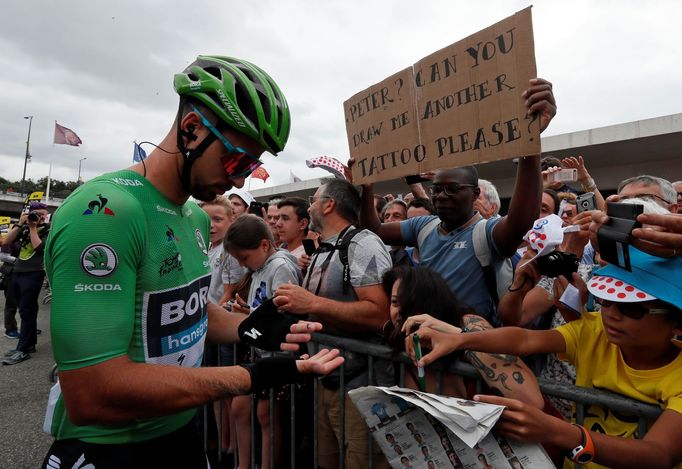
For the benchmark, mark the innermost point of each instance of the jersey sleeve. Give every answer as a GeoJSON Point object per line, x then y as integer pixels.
{"type": "Point", "coordinates": [571, 333]}
{"type": "Point", "coordinates": [91, 259]}
{"type": "Point", "coordinates": [675, 403]}
{"type": "Point", "coordinates": [232, 272]}
{"type": "Point", "coordinates": [489, 228]}
{"type": "Point", "coordinates": [368, 260]}
{"type": "Point", "coordinates": [410, 228]}
{"type": "Point", "coordinates": [284, 274]}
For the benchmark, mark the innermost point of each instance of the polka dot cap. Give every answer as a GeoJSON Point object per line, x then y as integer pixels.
{"type": "Point", "coordinates": [612, 289]}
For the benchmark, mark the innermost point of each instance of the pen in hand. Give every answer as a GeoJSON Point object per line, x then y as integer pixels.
{"type": "Point", "coordinates": [418, 356]}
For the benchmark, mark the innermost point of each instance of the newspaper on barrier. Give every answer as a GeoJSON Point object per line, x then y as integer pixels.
{"type": "Point", "coordinates": [415, 429]}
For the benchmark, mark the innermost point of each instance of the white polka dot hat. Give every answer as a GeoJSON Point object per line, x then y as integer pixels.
{"type": "Point", "coordinates": [612, 289]}
{"type": "Point", "coordinates": [651, 278]}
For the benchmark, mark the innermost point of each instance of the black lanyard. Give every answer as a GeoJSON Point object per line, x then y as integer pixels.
{"type": "Point", "coordinates": [324, 247]}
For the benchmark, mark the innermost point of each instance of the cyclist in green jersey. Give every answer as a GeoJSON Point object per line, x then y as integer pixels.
{"type": "Point", "coordinates": [127, 261]}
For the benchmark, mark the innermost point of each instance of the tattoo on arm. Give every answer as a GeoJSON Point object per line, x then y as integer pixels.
{"type": "Point", "coordinates": [488, 372]}
{"type": "Point", "coordinates": [507, 363]}
{"type": "Point", "coordinates": [518, 377]}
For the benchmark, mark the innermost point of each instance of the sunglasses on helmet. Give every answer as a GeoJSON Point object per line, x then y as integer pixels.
{"type": "Point", "coordinates": [237, 162]}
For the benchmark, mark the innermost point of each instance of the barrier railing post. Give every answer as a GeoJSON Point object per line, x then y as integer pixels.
{"type": "Point", "coordinates": [253, 417]}
{"type": "Point", "coordinates": [316, 423]}
{"type": "Point", "coordinates": [342, 416]}
{"type": "Point", "coordinates": [292, 429]}
{"type": "Point", "coordinates": [370, 438]}
{"type": "Point", "coordinates": [272, 429]}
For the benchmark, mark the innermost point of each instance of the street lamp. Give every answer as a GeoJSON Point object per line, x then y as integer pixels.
{"type": "Point", "coordinates": [79, 169]}
{"type": "Point", "coordinates": [28, 155]}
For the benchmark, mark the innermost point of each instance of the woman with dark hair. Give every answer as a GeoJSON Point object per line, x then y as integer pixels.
{"type": "Point", "coordinates": [550, 203]}
{"type": "Point", "coordinates": [418, 290]}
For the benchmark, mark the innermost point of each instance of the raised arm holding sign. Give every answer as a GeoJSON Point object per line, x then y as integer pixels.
{"type": "Point", "coordinates": [446, 241]}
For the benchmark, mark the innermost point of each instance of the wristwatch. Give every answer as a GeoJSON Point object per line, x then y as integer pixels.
{"type": "Point", "coordinates": [584, 452]}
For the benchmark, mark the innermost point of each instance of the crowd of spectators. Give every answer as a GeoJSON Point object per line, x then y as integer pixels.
{"type": "Point", "coordinates": [414, 266]}
{"type": "Point", "coordinates": [379, 267]}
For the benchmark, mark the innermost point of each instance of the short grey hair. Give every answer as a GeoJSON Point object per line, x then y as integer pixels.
{"type": "Point", "coordinates": [667, 189]}
{"type": "Point", "coordinates": [490, 191]}
{"type": "Point", "coordinates": [346, 196]}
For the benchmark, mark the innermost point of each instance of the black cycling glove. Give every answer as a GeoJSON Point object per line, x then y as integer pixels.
{"type": "Point", "coordinates": [266, 328]}
{"type": "Point", "coordinates": [272, 372]}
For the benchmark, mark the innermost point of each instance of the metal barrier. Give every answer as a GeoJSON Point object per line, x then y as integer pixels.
{"type": "Point", "coordinates": [582, 397]}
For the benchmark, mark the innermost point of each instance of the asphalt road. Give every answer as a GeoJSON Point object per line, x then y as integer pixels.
{"type": "Point", "coordinates": [23, 395]}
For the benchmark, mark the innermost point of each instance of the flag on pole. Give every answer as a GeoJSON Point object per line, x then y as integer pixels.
{"type": "Point", "coordinates": [65, 136]}
{"type": "Point", "coordinates": [330, 164]}
{"type": "Point", "coordinates": [260, 173]}
{"type": "Point", "coordinates": [293, 177]}
{"type": "Point", "coordinates": [138, 153]}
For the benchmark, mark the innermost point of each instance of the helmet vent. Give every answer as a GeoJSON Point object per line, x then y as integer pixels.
{"type": "Point", "coordinates": [245, 105]}
{"type": "Point", "coordinates": [264, 101]}
{"type": "Point", "coordinates": [215, 71]}
{"type": "Point", "coordinates": [280, 120]}
{"type": "Point", "coordinates": [271, 143]}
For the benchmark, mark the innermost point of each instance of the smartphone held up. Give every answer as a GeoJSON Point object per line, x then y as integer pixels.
{"type": "Point", "coordinates": [563, 175]}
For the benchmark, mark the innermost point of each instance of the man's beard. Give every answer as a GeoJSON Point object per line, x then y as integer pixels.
{"type": "Point", "coordinates": [314, 225]}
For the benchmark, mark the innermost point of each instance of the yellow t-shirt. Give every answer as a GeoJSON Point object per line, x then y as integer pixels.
{"type": "Point", "coordinates": [599, 364]}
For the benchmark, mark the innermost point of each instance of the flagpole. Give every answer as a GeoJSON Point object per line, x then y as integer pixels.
{"type": "Point", "coordinates": [49, 176]}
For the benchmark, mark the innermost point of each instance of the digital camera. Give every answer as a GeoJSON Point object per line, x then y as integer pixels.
{"type": "Point", "coordinates": [614, 236]}
{"type": "Point", "coordinates": [33, 217]}
{"type": "Point", "coordinates": [557, 263]}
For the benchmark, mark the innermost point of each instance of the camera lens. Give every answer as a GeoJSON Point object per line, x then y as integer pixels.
{"type": "Point", "coordinates": [33, 217]}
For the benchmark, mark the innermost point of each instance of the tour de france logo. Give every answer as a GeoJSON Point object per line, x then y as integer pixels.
{"type": "Point", "coordinates": [99, 260]}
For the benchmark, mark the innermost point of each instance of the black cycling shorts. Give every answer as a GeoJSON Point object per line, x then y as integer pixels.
{"type": "Point", "coordinates": [182, 448]}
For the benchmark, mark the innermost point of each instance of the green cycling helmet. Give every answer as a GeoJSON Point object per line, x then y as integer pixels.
{"type": "Point", "coordinates": [242, 95]}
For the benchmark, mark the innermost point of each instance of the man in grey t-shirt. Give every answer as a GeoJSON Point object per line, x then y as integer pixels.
{"type": "Point", "coordinates": [356, 311]}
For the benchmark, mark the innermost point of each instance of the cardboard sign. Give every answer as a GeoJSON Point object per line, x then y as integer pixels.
{"type": "Point", "coordinates": [459, 106]}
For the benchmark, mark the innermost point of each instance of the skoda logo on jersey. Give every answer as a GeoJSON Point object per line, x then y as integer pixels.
{"type": "Point", "coordinates": [200, 241]}
{"type": "Point", "coordinates": [99, 260]}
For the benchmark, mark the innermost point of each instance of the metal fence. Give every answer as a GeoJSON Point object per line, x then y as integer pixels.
{"type": "Point", "coordinates": [582, 397]}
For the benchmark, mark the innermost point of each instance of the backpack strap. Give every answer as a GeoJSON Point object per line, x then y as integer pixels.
{"type": "Point", "coordinates": [480, 240]}
{"type": "Point", "coordinates": [342, 242]}
{"type": "Point", "coordinates": [343, 256]}
{"type": "Point", "coordinates": [482, 253]}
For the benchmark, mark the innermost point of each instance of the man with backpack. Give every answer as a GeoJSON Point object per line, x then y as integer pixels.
{"type": "Point", "coordinates": [342, 289]}
{"type": "Point", "coordinates": [447, 241]}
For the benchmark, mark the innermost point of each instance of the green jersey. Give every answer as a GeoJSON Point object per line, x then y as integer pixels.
{"type": "Point", "coordinates": [130, 276]}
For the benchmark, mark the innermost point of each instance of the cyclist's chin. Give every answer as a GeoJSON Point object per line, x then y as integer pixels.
{"type": "Point", "coordinates": [205, 194]}
{"type": "Point", "coordinates": [209, 192]}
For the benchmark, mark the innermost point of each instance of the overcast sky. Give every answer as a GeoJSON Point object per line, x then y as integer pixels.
{"type": "Point", "coordinates": [105, 68]}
